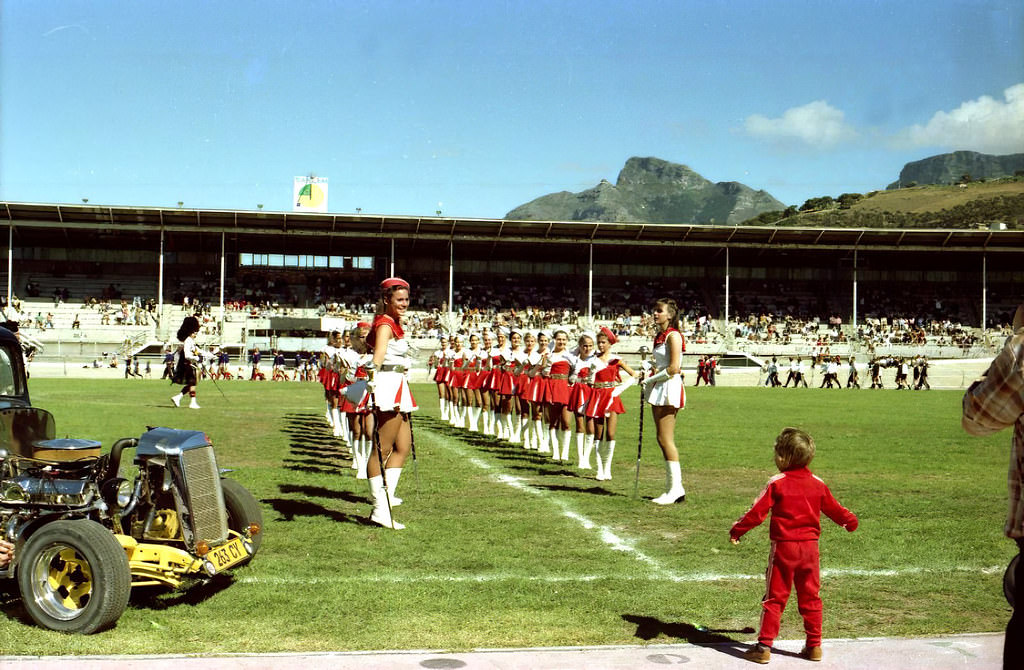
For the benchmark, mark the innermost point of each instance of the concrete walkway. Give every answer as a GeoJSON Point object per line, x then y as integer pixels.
{"type": "Point", "coordinates": [955, 652]}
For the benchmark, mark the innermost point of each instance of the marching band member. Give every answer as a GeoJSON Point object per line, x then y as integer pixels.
{"type": "Point", "coordinates": [439, 362]}
{"type": "Point", "coordinates": [525, 360]}
{"type": "Point", "coordinates": [392, 397]}
{"type": "Point", "coordinates": [484, 375]}
{"type": "Point", "coordinates": [666, 395]}
{"type": "Point", "coordinates": [538, 391]}
{"type": "Point", "coordinates": [580, 390]}
{"type": "Point", "coordinates": [330, 379]}
{"type": "Point", "coordinates": [473, 359]}
{"type": "Point", "coordinates": [189, 358]}
{"type": "Point", "coordinates": [504, 385]}
{"type": "Point", "coordinates": [556, 396]}
{"type": "Point", "coordinates": [605, 405]}
{"type": "Point", "coordinates": [456, 382]}
{"type": "Point", "coordinates": [354, 360]}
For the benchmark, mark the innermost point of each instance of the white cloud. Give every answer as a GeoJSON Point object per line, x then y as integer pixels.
{"type": "Point", "coordinates": [986, 125]}
{"type": "Point", "coordinates": [816, 124]}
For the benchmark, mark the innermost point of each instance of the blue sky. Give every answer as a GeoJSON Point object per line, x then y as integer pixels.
{"type": "Point", "coordinates": [476, 107]}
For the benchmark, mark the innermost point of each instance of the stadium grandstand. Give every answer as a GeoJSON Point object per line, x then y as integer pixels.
{"type": "Point", "coordinates": [86, 281]}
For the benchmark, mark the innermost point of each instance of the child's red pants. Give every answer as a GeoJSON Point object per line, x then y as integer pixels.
{"type": "Point", "coordinates": [792, 563]}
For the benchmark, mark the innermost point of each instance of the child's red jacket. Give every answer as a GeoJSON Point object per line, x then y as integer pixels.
{"type": "Point", "coordinates": [796, 499]}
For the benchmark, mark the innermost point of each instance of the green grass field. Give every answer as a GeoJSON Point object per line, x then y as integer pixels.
{"type": "Point", "coordinates": [506, 549]}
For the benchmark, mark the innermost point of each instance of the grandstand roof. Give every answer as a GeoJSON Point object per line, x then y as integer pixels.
{"type": "Point", "coordinates": [143, 220]}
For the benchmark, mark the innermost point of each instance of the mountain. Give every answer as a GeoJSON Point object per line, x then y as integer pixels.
{"type": "Point", "coordinates": [950, 168]}
{"type": "Point", "coordinates": [652, 190]}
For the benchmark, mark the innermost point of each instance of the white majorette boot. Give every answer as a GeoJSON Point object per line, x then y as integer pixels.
{"type": "Point", "coordinates": [542, 436]}
{"type": "Point", "coordinates": [444, 408]}
{"type": "Point", "coordinates": [337, 425]}
{"type": "Point", "coordinates": [588, 448]}
{"type": "Point", "coordinates": [474, 419]}
{"type": "Point", "coordinates": [327, 415]}
{"type": "Point", "coordinates": [556, 446]}
{"type": "Point", "coordinates": [609, 450]}
{"type": "Point", "coordinates": [675, 492]}
{"type": "Point", "coordinates": [566, 439]}
{"type": "Point", "coordinates": [193, 404]}
{"type": "Point", "coordinates": [381, 515]}
{"type": "Point", "coordinates": [362, 452]}
{"type": "Point", "coordinates": [453, 413]}
{"type": "Point", "coordinates": [512, 428]}
{"type": "Point", "coordinates": [488, 417]}
{"type": "Point", "coordinates": [527, 427]}
{"type": "Point", "coordinates": [393, 475]}
{"type": "Point", "coordinates": [579, 449]}
{"type": "Point", "coordinates": [176, 399]}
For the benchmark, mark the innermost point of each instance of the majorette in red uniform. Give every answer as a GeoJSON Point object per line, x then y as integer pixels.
{"type": "Point", "coordinates": [556, 396]}
{"type": "Point", "coordinates": [456, 382]}
{"type": "Point", "coordinates": [580, 390]}
{"type": "Point", "coordinates": [605, 403]}
{"type": "Point", "coordinates": [666, 395]}
{"type": "Point", "coordinates": [523, 365]}
{"type": "Point", "coordinates": [439, 363]}
{"type": "Point", "coordinates": [507, 387]}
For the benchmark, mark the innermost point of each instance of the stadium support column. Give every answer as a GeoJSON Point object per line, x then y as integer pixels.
{"type": "Point", "coordinates": [590, 285]}
{"type": "Point", "coordinates": [392, 258]}
{"type": "Point", "coordinates": [451, 274]}
{"type": "Point", "coordinates": [725, 317]}
{"type": "Point", "coordinates": [222, 283]}
{"type": "Point", "coordinates": [160, 280]}
{"type": "Point", "coordinates": [984, 294]}
{"type": "Point", "coordinates": [855, 290]}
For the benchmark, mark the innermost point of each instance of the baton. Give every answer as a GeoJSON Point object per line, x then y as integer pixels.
{"type": "Point", "coordinates": [639, 444]}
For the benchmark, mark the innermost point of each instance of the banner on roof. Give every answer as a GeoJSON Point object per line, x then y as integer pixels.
{"type": "Point", "coordinates": [310, 194]}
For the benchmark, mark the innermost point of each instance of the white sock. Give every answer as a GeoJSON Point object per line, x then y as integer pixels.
{"type": "Point", "coordinates": [556, 446]}
{"type": "Point", "coordinates": [588, 448]}
{"type": "Point", "coordinates": [392, 475]}
{"type": "Point", "coordinates": [381, 512]}
{"type": "Point", "coordinates": [609, 450]}
{"type": "Point", "coordinates": [580, 437]}
{"type": "Point", "coordinates": [566, 439]}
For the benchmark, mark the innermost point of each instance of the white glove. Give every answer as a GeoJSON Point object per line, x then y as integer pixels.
{"type": "Point", "coordinates": [658, 377]}
{"type": "Point", "coordinates": [620, 389]}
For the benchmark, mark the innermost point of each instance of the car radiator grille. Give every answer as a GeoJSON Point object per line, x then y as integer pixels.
{"type": "Point", "coordinates": [205, 499]}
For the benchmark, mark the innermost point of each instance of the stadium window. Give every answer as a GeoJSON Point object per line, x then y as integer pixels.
{"type": "Point", "coordinates": [291, 261]}
{"type": "Point", "coordinates": [363, 262]}
{"type": "Point", "coordinates": [275, 260]}
{"type": "Point", "coordinates": [245, 259]}
{"type": "Point", "coordinates": [337, 262]}
{"type": "Point", "coordinates": [319, 261]}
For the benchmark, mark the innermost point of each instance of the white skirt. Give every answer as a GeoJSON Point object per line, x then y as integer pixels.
{"type": "Point", "coordinates": [668, 393]}
{"type": "Point", "coordinates": [392, 393]}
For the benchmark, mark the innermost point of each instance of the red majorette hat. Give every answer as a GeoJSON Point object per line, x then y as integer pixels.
{"type": "Point", "coordinates": [606, 331]}
{"type": "Point", "coordinates": [362, 324]}
{"type": "Point", "coordinates": [394, 281]}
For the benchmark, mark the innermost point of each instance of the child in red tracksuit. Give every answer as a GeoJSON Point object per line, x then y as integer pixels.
{"type": "Point", "coordinates": [796, 498]}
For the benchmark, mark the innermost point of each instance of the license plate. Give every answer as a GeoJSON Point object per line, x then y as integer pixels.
{"type": "Point", "coordinates": [226, 555]}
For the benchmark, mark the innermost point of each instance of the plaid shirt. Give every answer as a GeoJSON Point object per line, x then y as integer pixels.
{"type": "Point", "coordinates": [994, 402]}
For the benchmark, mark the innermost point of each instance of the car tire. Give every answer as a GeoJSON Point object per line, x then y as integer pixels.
{"type": "Point", "coordinates": [242, 509]}
{"type": "Point", "coordinates": [74, 577]}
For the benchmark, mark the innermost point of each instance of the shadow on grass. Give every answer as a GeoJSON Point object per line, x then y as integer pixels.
{"type": "Point", "coordinates": [592, 490]}
{"type": "Point", "coordinates": [158, 598]}
{"type": "Point", "coordinates": [650, 628]}
{"type": "Point", "coordinates": [290, 509]}
{"type": "Point", "coordinates": [322, 492]}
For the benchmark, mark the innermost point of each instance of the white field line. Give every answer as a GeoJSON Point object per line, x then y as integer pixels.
{"type": "Point", "coordinates": [695, 577]}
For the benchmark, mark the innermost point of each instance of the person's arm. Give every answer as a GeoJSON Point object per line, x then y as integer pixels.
{"type": "Point", "coordinates": [6, 553]}
{"type": "Point", "coordinates": [380, 344]}
{"type": "Point", "coordinates": [674, 342]}
{"type": "Point", "coordinates": [996, 400]}
{"type": "Point", "coordinates": [835, 511]}
{"type": "Point", "coordinates": [755, 515]}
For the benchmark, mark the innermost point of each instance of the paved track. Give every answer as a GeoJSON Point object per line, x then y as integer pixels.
{"type": "Point", "coordinates": [955, 652]}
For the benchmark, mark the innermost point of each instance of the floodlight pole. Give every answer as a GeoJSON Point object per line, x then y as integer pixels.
{"type": "Point", "coordinates": [590, 285]}
{"type": "Point", "coordinates": [451, 274]}
{"type": "Point", "coordinates": [392, 258]}
{"type": "Point", "coordinates": [984, 293]}
{"type": "Point", "coordinates": [222, 283]}
{"type": "Point", "coordinates": [855, 289]}
{"type": "Point", "coordinates": [725, 317]}
{"type": "Point", "coordinates": [160, 279]}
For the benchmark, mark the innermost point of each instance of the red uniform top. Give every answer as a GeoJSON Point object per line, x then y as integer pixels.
{"type": "Point", "coordinates": [796, 499]}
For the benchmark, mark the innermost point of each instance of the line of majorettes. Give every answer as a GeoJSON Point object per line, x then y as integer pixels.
{"type": "Point", "coordinates": [529, 388]}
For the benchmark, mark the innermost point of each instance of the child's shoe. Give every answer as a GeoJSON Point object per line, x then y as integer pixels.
{"type": "Point", "coordinates": [811, 653]}
{"type": "Point", "coordinates": [759, 653]}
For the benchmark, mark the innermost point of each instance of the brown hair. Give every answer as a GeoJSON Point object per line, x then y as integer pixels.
{"type": "Point", "coordinates": [385, 297]}
{"type": "Point", "coordinates": [794, 449]}
{"type": "Point", "coordinates": [673, 321]}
